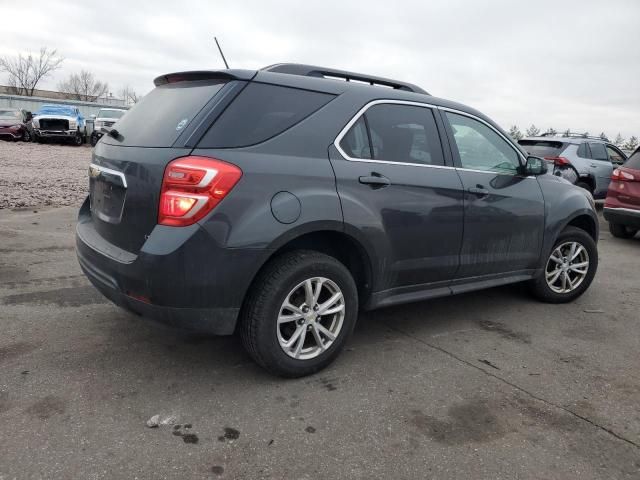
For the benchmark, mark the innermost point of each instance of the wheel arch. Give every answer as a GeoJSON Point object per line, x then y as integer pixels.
{"type": "Point", "coordinates": [334, 242]}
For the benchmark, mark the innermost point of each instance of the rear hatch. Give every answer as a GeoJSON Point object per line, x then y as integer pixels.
{"type": "Point", "coordinates": [625, 183]}
{"type": "Point", "coordinates": [547, 149]}
{"type": "Point", "coordinates": [128, 164]}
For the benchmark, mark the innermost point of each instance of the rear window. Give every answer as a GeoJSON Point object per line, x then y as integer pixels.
{"type": "Point", "coordinates": [634, 160]}
{"type": "Point", "coordinates": [161, 116]}
{"type": "Point", "coordinates": [542, 148]}
{"type": "Point", "coordinates": [261, 112]}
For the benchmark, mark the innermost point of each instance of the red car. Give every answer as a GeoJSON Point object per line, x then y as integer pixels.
{"type": "Point", "coordinates": [622, 206]}
{"type": "Point", "coordinates": [15, 124]}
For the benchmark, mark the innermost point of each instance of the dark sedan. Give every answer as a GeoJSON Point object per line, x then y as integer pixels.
{"type": "Point", "coordinates": [15, 124]}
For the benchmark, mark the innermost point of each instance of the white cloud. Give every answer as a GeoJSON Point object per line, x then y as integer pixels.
{"type": "Point", "coordinates": [556, 64]}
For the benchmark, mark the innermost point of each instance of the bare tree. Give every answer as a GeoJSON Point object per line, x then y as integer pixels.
{"type": "Point", "coordinates": [83, 86]}
{"type": "Point", "coordinates": [129, 95]}
{"type": "Point", "coordinates": [551, 131]}
{"type": "Point", "coordinates": [25, 72]}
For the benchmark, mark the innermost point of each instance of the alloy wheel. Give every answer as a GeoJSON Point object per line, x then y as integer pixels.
{"type": "Point", "coordinates": [310, 318]}
{"type": "Point", "coordinates": [567, 267]}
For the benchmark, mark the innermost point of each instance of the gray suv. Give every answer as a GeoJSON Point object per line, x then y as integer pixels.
{"type": "Point", "coordinates": [279, 203]}
{"type": "Point", "coordinates": [585, 161]}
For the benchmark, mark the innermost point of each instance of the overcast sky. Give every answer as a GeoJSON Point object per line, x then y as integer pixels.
{"type": "Point", "coordinates": [555, 63]}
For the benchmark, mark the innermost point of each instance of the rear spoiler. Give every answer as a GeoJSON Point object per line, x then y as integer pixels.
{"type": "Point", "coordinates": [193, 76]}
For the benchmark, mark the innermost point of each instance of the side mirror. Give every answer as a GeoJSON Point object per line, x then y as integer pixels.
{"type": "Point", "coordinates": [535, 166]}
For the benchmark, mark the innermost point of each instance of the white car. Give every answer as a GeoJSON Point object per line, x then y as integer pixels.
{"type": "Point", "coordinates": [106, 117]}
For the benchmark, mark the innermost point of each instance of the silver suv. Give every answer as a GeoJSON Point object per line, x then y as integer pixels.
{"type": "Point", "coordinates": [585, 161]}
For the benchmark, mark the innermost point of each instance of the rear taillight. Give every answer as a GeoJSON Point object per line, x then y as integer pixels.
{"type": "Point", "coordinates": [559, 161]}
{"type": "Point", "coordinates": [192, 187]}
{"type": "Point", "coordinates": [622, 176]}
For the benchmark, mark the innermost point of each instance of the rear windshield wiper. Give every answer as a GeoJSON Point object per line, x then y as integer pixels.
{"type": "Point", "coordinates": [112, 132]}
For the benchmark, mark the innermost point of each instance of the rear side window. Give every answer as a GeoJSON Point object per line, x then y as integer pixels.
{"type": "Point", "coordinates": [583, 151]}
{"type": "Point", "coordinates": [356, 142]}
{"type": "Point", "coordinates": [161, 116]}
{"type": "Point", "coordinates": [542, 148]}
{"type": "Point", "coordinates": [598, 152]}
{"type": "Point", "coordinates": [260, 112]}
{"type": "Point", "coordinates": [634, 160]}
{"type": "Point", "coordinates": [397, 133]}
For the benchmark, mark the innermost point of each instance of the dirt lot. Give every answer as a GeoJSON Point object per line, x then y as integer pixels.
{"type": "Point", "coordinates": [485, 385]}
{"type": "Point", "coordinates": [33, 174]}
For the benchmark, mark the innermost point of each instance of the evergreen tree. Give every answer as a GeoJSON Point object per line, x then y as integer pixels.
{"type": "Point", "coordinates": [619, 141]}
{"type": "Point", "coordinates": [533, 131]}
{"type": "Point", "coordinates": [515, 133]}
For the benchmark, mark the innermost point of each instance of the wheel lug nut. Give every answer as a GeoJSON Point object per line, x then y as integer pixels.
{"type": "Point", "coordinates": [316, 307]}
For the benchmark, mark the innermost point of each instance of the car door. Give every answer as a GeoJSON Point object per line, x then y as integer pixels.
{"type": "Point", "coordinates": [600, 166]}
{"type": "Point", "coordinates": [398, 191]}
{"type": "Point", "coordinates": [616, 157]}
{"type": "Point", "coordinates": [504, 210]}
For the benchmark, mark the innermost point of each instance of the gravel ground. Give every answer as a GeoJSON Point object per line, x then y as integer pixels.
{"type": "Point", "coordinates": [33, 174]}
{"type": "Point", "coordinates": [487, 385]}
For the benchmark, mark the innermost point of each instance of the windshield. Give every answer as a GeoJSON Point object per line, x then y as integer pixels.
{"type": "Point", "coordinates": [12, 114]}
{"type": "Point", "coordinates": [110, 113]}
{"type": "Point", "coordinates": [56, 110]}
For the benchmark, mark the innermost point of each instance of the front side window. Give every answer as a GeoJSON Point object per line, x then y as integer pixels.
{"type": "Point", "coordinates": [598, 152]}
{"type": "Point", "coordinates": [615, 156]}
{"type": "Point", "coordinates": [395, 133]}
{"type": "Point", "coordinates": [480, 147]}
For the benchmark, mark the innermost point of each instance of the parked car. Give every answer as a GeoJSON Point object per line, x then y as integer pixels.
{"type": "Point", "coordinates": [585, 161]}
{"type": "Point", "coordinates": [280, 202]}
{"type": "Point", "coordinates": [59, 122]}
{"type": "Point", "coordinates": [106, 117]}
{"type": "Point", "coordinates": [622, 205]}
{"type": "Point", "coordinates": [15, 124]}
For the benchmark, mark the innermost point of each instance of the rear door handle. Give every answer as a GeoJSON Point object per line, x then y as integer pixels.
{"type": "Point", "coordinates": [479, 191]}
{"type": "Point", "coordinates": [375, 180]}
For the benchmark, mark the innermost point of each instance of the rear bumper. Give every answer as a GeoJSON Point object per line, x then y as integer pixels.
{"type": "Point", "coordinates": [622, 216]}
{"type": "Point", "coordinates": [180, 277]}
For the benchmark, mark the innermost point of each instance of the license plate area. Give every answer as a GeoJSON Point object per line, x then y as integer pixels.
{"type": "Point", "coordinates": [107, 193]}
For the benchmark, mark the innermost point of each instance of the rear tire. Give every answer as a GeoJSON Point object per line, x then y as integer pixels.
{"type": "Point", "coordinates": [94, 140]}
{"type": "Point", "coordinates": [621, 231]}
{"type": "Point", "coordinates": [585, 185]}
{"type": "Point", "coordinates": [548, 287]}
{"type": "Point", "coordinates": [266, 329]}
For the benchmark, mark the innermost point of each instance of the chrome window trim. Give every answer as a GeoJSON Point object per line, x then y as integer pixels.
{"type": "Point", "coordinates": [359, 113]}
{"type": "Point", "coordinates": [95, 170]}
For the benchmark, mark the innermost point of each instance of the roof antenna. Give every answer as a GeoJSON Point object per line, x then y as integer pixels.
{"type": "Point", "coordinates": [221, 54]}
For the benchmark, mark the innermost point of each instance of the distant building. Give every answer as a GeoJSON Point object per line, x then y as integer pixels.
{"type": "Point", "coordinates": [108, 99]}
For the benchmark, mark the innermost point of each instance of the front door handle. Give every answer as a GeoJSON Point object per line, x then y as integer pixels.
{"type": "Point", "coordinates": [375, 180]}
{"type": "Point", "coordinates": [479, 191]}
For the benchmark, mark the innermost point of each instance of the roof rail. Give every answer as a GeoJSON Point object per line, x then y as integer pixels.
{"type": "Point", "coordinates": [573, 135]}
{"type": "Point", "coordinates": [332, 73]}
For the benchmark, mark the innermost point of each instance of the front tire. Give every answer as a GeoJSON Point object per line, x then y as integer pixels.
{"type": "Point", "coordinates": [569, 268]}
{"type": "Point", "coordinates": [78, 139]}
{"type": "Point", "coordinates": [299, 313]}
{"type": "Point", "coordinates": [621, 231]}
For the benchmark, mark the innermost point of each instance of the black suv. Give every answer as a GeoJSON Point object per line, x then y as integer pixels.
{"type": "Point", "coordinates": [279, 202]}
